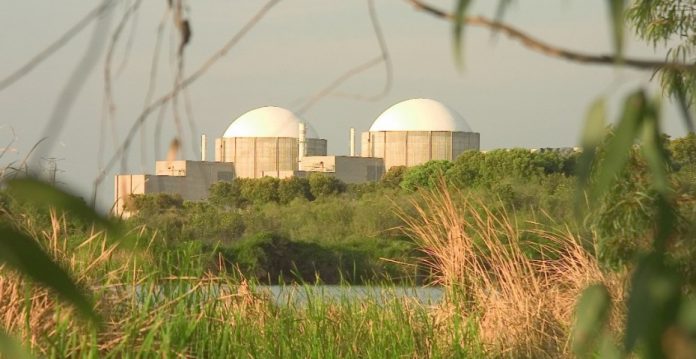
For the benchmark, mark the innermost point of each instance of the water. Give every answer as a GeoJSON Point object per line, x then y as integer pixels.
{"type": "Point", "coordinates": [292, 295]}
{"type": "Point", "coordinates": [295, 294]}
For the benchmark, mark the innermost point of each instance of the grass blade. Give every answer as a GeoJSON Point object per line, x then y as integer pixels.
{"type": "Point", "coordinates": [22, 253]}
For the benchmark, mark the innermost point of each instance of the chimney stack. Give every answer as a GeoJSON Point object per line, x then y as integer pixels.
{"type": "Point", "coordinates": [204, 148]}
{"type": "Point", "coordinates": [302, 138]}
{"type": "Point", "coordinates": [352, 142]}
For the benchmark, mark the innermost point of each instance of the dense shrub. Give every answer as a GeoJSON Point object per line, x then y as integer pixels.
{"type": "Point", "coordinates": [272, 258]}
{"type": "Point", "coordinates": [426, 175]}
{"type": "Point", "coordinates": [323, 185]}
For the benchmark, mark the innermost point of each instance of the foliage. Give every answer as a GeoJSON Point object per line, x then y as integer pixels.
{"type": "Point", "coordinates": [671, 23]}
{"type": "Point", "coordinates": [394, 176]}
{"type": "Point", "coordinates": [227, 194]}
{"type": "Point", "coordinates": [323, 185]}
{"type": "Point", "coordinates": [683, 150]}
{"type": "Point", "coordinates": [271, 258]}
{"type": "Point", "coordinates": [656, 296]}
{"type": "Point", "coordinates": [425, 175]}
{"type": "Point", "coordinates": [153, 204]}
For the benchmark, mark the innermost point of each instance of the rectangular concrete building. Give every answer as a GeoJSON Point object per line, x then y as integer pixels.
{"type": "Point", "coordinates": [346, 168]}
{"type": "Point", "coordinates": [189, 179]}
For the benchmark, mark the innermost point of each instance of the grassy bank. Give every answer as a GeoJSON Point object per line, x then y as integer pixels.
{"type": "Point", "coordinates": [155, 305]}
{"type": "Point", "coordinates": [500, 298]}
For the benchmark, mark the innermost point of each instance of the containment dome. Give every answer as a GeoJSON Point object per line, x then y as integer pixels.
{"type": "Point", "coordinates": [267, 121]}
{"type": "Point", "coordinates": [420, 114]}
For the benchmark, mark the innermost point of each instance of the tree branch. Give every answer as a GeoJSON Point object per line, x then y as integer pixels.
{"type": "Point", "coordinates": [537, 45]}
{"type": "Point", "coordinates": [163, 100]}
{"type": "Point", "coordinates": [55, 46]}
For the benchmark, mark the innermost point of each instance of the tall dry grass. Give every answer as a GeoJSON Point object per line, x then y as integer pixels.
{"type": "Point", "coordinates": [519, 285]}
{"type": "Point", "coordinates": [126, 286]}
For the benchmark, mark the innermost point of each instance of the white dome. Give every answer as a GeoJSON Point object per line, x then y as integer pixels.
{"type": "Point", "coordinates": [420, 114]}
{"type": "Point", "coordinates": [267, 121]}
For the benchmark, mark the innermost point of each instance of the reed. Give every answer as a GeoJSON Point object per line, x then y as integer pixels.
{"type": "Point", "coordinates": [519, 286]}
{"type": "Point", "coordinates": [164, 304]}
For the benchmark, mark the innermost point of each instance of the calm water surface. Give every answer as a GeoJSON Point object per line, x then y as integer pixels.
{"type": "Point", "coordinates": [295, 294]}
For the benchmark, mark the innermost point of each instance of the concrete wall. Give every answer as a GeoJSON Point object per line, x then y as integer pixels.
{"type": "Point", "coordinates": [124, 186]}
{"type": "Point", "coordinates": [254, 157]}
{"type": "Point", "coordinates": [411, 148]}
{"type": "Point", "coordinates": [346, 168]}
{"type": "Point", "coordinates": [190, 179]}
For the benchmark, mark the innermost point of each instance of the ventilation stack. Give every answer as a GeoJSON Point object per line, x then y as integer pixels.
{"type": "Point", "coordinates": [352, 142]}
{"type": "Point", "coordinates": [302, 142]}
{"type": "Point", "coordinates": [204, 147]}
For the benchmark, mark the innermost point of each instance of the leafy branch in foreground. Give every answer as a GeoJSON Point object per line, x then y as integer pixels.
{"type": "Point", "coordinates": [22, 253]}
{"type": "Point", "coordinates": [657, 306]}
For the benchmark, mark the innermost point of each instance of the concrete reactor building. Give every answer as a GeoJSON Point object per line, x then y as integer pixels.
{"type": "Point", "coordinates": [267, 141]}
{"type": "Point", "coordinates": [272, 141]}
{"type": "Point", "coordinates": [416, 131]}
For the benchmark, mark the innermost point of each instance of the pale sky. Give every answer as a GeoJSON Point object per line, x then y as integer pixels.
{"type": "Point", "coordinates": [513, 96]}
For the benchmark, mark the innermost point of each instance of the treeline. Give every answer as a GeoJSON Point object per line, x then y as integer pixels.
{"type": "Point", "coordinates": [299, 227]}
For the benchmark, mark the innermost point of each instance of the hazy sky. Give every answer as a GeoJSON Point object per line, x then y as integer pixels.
{"type": "Point", "coordinates": [514, 97]}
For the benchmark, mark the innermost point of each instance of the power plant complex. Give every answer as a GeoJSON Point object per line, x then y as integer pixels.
{"type": "Point", "coordinates": [273, 141]}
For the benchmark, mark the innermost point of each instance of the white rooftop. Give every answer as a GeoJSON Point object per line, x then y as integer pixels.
{"type": "Point", "coordinates": [267, 121]}
{"type": "Point", "coordinates": [420, 114]}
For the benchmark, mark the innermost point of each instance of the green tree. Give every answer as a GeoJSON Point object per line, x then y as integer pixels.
{"type": "Point", "coordinates": [322, 185]}
{"type": "Point", "coordinates": [426, 175]}
{"type": "Point", "coordinates": [674, 23]}
{"type": "Point", "coordinates": [467, 169]}
{"type": "Point", "coordinates": [393, 177]}
{"type": "Point", "coordinates": [683, 150]}
{"type": "Point", "coordinates": [259, 190]}
{"type": "Point", "coordinates": [227, 194]}
{"type": "Point", "coordinates": [292, 188]}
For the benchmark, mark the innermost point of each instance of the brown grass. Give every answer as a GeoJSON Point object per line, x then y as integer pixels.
{"type": "Point", "coordinates": [523, 304]}
{"type": "Point", "coordinates": [32, 313]}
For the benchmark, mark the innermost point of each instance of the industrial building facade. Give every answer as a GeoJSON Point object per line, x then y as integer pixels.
{"type": "Point", "coordinates": [272, 141]}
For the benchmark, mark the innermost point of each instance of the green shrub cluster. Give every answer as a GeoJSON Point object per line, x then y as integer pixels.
{"type": "Point", "coordinates": [299, 227]}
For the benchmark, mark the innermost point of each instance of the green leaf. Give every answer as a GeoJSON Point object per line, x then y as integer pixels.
{"type": "Point", "coordinates": [653, 149]}
{"type": "Point", "coordinates": [9, 348]}
{"type": "Point", "coordinates": [657, 159]}
{"type": "Point", "coordinates": [458, 30]}
{"type": "Point", "coordinates": [616, 17]}
{"type": "Point", "coordinates": [500, 10]}
{"type": "Point", "coordinates": [681, 93]}
{"type": "Point", "coordinates": [687, 316]}
{"type": "Point", "coordinates": [652, 305]}
{"type": "Point", "coordinates": [619, 146]}
{"type": "Point", "coordinates": [22, 253]}
{"type": "Point", "coordinates": [28, 190]}
{"type": "Point", "coordinates": [591, 315]}
{"type": "Point", "coordinates": [592, 136]}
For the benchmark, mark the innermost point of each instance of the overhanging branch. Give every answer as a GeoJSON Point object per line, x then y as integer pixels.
{"type": "Point", "coordinates": [539, 46]}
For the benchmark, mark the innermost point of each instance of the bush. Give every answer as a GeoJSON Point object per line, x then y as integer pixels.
{"type": "Point", "coordinates": [426, 175]}
{"type": "Point", "coordinates": [292, 188]}
{"type": "Point", "coordinates": [393, 177]}
{"type": "Point", "coordinates": [322, 185]}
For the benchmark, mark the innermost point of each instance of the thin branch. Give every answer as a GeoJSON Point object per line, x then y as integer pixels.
{"type": "Point", "coordinates": [55, 46]}
{"type": "Point", "coordinates": [382, 58]}
{"type": "Point", "coordinates": [386, 58]}
{"type": "Point", "coordinates": [109, 104]}
{"type": "Point", "coordinates": [338, 82]}
{"type": "Point", "coordinates": [537, 45]}
{"type": "Point", "coordinates": [185, 83]}
{"type": "Point", "coordinates": [153, 81]}
{"type": "Point", "coordinates": [129, 43]}
{"type": "Point", "coordinates": [77, 79]}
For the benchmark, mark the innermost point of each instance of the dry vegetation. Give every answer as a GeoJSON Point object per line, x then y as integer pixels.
{"type": "Point", "coordinates": [520, 292]}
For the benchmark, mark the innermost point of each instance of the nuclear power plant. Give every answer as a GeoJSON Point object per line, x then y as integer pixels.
{"type": "Point", "coordinates": [273, 141]}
